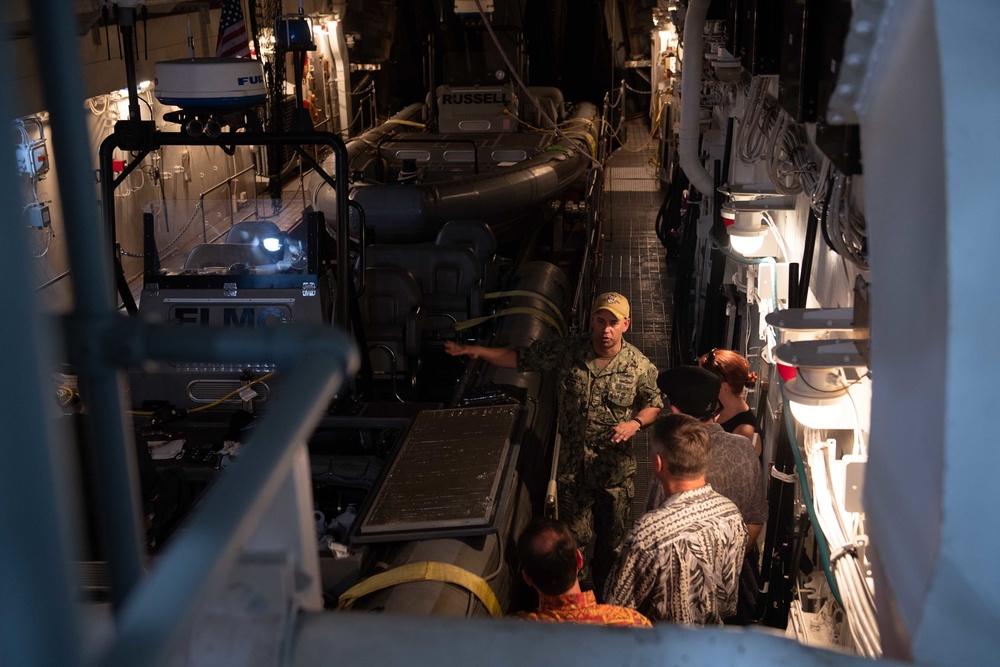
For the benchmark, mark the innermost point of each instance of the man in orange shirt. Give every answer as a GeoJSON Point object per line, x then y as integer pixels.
{"type": "Point", "coordinates": [550, 563]}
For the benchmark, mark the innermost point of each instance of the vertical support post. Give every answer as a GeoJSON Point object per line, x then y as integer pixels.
{"type": "Point", "coordinates": [93, 295]}
{"type": "Point", "coordinates": [39, 616]}
{"type": "Point", "coordinates": [342, 77]}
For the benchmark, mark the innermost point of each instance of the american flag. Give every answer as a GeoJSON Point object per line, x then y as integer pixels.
{"type": "Point", "coordinates": [233, 41]}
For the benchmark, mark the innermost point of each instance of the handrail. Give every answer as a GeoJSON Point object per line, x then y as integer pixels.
{"type": "Point", "coordinates": [228, 181]}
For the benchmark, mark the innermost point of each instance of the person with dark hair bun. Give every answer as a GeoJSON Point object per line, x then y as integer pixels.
{"type": "Point", "coordinates": [550, 563]}
{"type": "Point", "coordinates": [733, 468]}
{"type": "Point", "coordinates": [736, 415]}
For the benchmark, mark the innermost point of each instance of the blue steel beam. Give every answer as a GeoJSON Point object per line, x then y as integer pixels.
{"type": "Point", "coordinates": [89, 251]}
{"type": "Point", "coordinates": [39, 589]}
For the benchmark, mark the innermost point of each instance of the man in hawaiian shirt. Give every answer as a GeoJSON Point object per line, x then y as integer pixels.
{"type": "Point", "coordinates": [550, 563]}
{"type": "Point", "coordinates": [681, 561]}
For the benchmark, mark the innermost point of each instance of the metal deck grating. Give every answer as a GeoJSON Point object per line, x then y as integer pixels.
{"type": "Point", "coordinates": [645, 172]}
{"type": "Point", "coordinates": [634, 263]}
{"type": "Point", "coordinates": [630, 185]}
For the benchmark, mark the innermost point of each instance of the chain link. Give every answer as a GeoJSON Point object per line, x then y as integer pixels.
{"type": "Point", "coordinates": [635, 90]}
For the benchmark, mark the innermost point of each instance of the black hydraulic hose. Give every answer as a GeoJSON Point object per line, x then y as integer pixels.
{"type": "Point", "coordinates": [727, 155]}
{"type": "Point", "coordinates": [109, 183]}
{"type": "Point", "coordinates": [712, 333]}
{"type": "Point", "coordinates": [793, 283]}
{"type": "Point", "coordinates": [163, 196]}
{"type": "Point", "coordinates": [670, 207]}
{"type": "Point", "coordinates": [718, 226]}
{"type": "Point", "coordinates": [826, 209]}
{"type": "Point", "coordinates": [780, 533]}
{"type": "Point", "coordinates": [126, 24]}
{"type": "Point", "coordinates": [809, 251]}
{"type": "Point", "coordinates": [661, 215]}
{"type": "Point", "coordinates": [683, 284]}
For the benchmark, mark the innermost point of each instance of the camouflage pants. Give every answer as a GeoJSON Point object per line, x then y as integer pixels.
{"type": "Point", "coordinates": [601, 516]}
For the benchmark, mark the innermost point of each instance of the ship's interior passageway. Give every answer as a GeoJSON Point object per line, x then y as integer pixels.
{"type": "Point", "coordinates": [634, 263]}
{"type": "Point", "coordinates": [298, 298]}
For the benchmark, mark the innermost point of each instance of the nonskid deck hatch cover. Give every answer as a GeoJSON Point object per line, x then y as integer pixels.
{"type": "Point", "coordinates": [451, 477]}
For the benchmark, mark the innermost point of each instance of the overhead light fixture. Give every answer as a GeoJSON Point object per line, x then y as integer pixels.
{"type": "Point", "coordinates": [749, 235]}
{"type": "Point", "coordinates": [817, 400]}
{"type": "Point", "coordinates": [726, 66]}
{"type": "Point", "coordinates": [818, 395]}
{"type": "Point", "coordinates": [746, 237]}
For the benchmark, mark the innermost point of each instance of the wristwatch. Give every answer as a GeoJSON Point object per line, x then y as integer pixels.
{"type": "Point", "coordinates": [639, 422]}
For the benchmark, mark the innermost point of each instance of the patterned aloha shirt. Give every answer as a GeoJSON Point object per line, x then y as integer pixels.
{"type": "Point", "coordinates": [591, 402]}
{"type": "Point", "coordinates": [681, 562]}
{"type": "Point", "coordinates": [733, 470]}
{"type": "Point", "coordinates": [583, 608]}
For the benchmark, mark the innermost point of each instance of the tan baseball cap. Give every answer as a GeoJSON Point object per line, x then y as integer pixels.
{"type": "Point", "coordinates": [614, 303]}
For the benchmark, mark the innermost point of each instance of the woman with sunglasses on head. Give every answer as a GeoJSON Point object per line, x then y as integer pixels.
{"type": "Point", "coordinates": [736, 416]}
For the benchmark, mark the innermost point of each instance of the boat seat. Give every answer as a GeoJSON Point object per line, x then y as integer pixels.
{"type": "Point", "coordinates": [225, 255]}
{"type": "Point", "coordinates": [393, 321]}
{"type": "Point", "coordinates": [450, 277]}
{"type": "Point", "coordinates": [252, 231]}
{"type": "Point", "coordinates": [478, 236]}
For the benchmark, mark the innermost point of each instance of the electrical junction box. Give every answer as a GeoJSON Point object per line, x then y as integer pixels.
{"type": "Point", "coordinates": [766, 286]}
{"type": "Point", "coordinates": [33, 159]}
{"type": "Point", "coordinates": [38, 215]}
{"type": "Point", "coordinates": [476, 109]}
{"type": "Point", "coordinates": [854, 482]}
{"type": "Point", "coordinates": [848, 475]}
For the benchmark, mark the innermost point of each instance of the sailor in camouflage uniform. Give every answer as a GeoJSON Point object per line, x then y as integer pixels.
{"type": "Point", "coordinates": [606, 392]}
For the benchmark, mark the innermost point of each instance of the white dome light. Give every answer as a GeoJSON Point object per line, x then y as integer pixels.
{"type": "Point", "coordinates": [747, 242]}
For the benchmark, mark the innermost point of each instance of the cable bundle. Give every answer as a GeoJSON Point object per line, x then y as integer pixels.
{"type": "Point", "coordinates": [842, 536]}
{"type": "Point", "coordinates": [846, 228]}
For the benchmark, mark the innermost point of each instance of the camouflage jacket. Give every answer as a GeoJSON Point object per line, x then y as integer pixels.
{"type": "Point", "coordinates": [591, 402]}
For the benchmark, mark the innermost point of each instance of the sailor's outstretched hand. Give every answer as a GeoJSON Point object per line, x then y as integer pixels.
{"type": "Point", "coordinates": [457, 349]}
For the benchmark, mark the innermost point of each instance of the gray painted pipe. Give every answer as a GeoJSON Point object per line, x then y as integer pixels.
{"type": "Point", "coordinates": [694, 56]}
